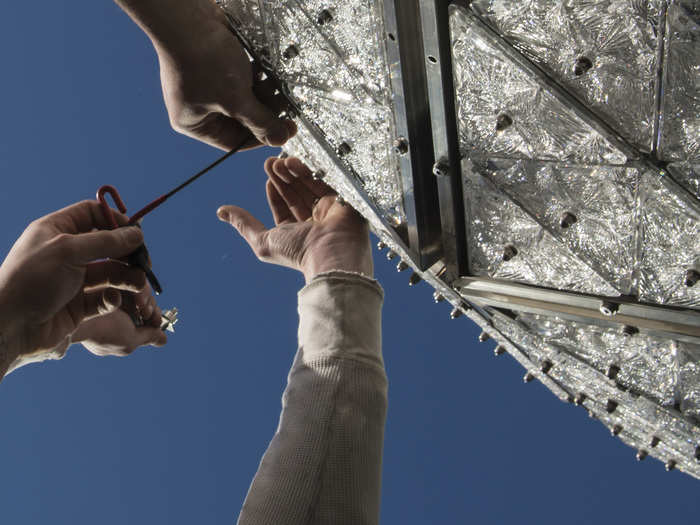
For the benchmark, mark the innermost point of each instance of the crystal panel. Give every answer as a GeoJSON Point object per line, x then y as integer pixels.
{"type": "Point", "coordinates": [680, 120]}
{"type": "Point", "coordinates": [506, 243]}
{"type": "Point", "coordinates": [603, 51]}
{"type": "Point", "coordinates": [670, 244]}
{"type": "Point", "coordinates": [592, 210]}
{"type": "Point", "coordinates": [688, 175]}
{"type": "Point", "coordinates": [504, 110]}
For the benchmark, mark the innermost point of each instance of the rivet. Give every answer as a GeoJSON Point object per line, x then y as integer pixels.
{"type": "Point", "coordinates": [568, 220]}
{"type": "Point", "coordinates": [579, 399]}
{"type": "Point", "coordinates": [324, 17]}
{"type": "Point", "coordinates": [483, 337]}
{"type": "Point", "coordinates": [630, 331]}
{"type": "Point", "coordinates": [340, 200]}
{"type": "Point", "coordinates": [616, 430]}
{"type": "Point", "coordinates": [441, 168]}
{"type": "Point", "coordinates": [528, 377]}
{"type": "Point", "coordinates": [612, 372]}
{"type": "Point", "coordinates": [509, 252]}
{"type": "Point", "coordinates": [609, 308]}
{"type": "Point", "coordinates": [344, 149]}
{"type": "Point", "coordinates": [642, 454]}
{"type": "Point", "coordinates": [319, 175]}
{"type": "Point", "coordinates": [499, 350]}
{"type": "Point", "coordinates": [691, 278]}
{"type": "Point", "coordinates": [390, 255]}
{"type": "Point", "coordinates": [455, 313]}
{"type": "Point", "coordinates": [414, 279]}
{"type": "Point", "coordinates": [291, 52]}
{"type": "Point", "coordinates": [401, 146]}
{"type": "Point", "coordinates": [381, 245]}
{"type": "Point", "coordinates": [583, 65]}
{"type": "Point", "coordinates": [503, 122]}
{"type": "Point", "coordinates": [283, 155]}
{"type": "Point", "coordinates": [654, 441]}
{"type": "Point", "coordinates": [403, 265]}
{"type": "Point", "coordinates": [546, 366]}
{"type": "Point", "coordinates": [611, 406]}
{"type": "Point", "coordinates": [670, 465]}
{"type": "Point", "coordinates": [438, 297]}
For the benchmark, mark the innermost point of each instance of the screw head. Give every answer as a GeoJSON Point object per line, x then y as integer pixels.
{"type": "Point", "coordinates": [291, 52]}
{"type": "Point", "coordinates": [546, 366]}
{"type": "Point", "coordinates": [390, 255]}
{"type": "Point", "coordinates": [438, 297]}
{"type": "Point", "coordinates": [340, 200]}
{"type": "Point", "coordinates": [528, 377]}
{"type": "Point", "coordinates": [503, 122]}
{"type": "Point", "coordinates": [691, 278]}
{"type": "Point", "coordinates": [612, 372]}
{"type": "Point", "coordinates": [642, 454]}
{"type": "Point", "coordinates": [401, 266]}
{"type": "Point", "coordinates": [319, 175]}
{"type": "Point", "coordinates": [381, 245]}
{"type": "Point", "coordinates": [344, 149]}
{"type": "Point", "coordinates": [609, 308]}
{"type": "Point", "coordinates": [455, 313]}
{"type": "Point", "coordinates": [324, 17]}
{"type": "Point", "coordinates": [499, 350]}
{"type": "Point", "coordinates": [630, 331]}
{"type": "Point", "coordinates": [670, 465]}
{"type": "Point", "coordinates": [579, 399]}
{"type": "Point", "coordinates": [568, 220]}
{"type": "Point", "coordinates": [441, 168]}
{"type": "Point", "coordinates": [509, 252]}
{"type": "Point", "coordinates": [582, 66]}
{"type": "Point", "coordinates": [615, 431]}
{"type": "Point", "coordinates": [483, 337]}
{"type": "Point", "coordinates": [611, 406]}
{"type": "Point", "coordinates": [401, 146]}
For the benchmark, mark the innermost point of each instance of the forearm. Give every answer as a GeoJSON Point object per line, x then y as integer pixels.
{"type": "Point", "coordinates": [324, 462]}
{"type": "Point", "coordinates": [172, 24]}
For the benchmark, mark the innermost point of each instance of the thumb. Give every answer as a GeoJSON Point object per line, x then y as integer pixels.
{"type": "Point", "coordinates": [250, 228]}
{"type": "Point", "coordinates": [113, 244]}
{"type": "Point", "coordinates": [260, 120]}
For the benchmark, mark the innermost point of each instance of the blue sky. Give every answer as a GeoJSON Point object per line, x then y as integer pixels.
{"type": "Point", "coordinates": [174, 435]}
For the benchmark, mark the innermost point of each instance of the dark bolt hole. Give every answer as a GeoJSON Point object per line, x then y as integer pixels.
{"type": "Point", "coordinates": [324, 17]}
{"type": "Point", "coordinates": [391, 37]}
{"type": "Point", "coordinates": [504, 121]}
{"type": "Point", "coordinates": [583, 65]}
{"type": "Point", "coordinates": [509, 252]}
{"type": "Point", "coordinates": [568, 220]}
{"type": "Point", "coordinates": [291, 52]}
{"type": "Point", "coordinates": [691, 278]}
{"type": "Point", "coordinates": [432, 59]}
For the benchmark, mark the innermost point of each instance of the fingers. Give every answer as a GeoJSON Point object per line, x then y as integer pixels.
{"type": "Point", "coordinates": [97, 304]}
{"type": "Point", "coordinates": [259, 119]}
{"type": "Point", "coordinates": [222, 131]}
{"type": "Point", "coordinates": [114, 274]}
{"type": "Point", "coordinates": [280, 211]}
{"type": "Point", "coordinates": [250, 228]}
{"type": "Point", "coordinates": [87, 247]}
{"type": "Point", "coordinates": [298, 198]}
{"type": "Point", "coordinates": [299, 170]}
{"type": "Point", "coordinates": [82, 217]}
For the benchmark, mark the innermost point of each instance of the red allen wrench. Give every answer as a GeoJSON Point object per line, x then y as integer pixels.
{"type": "Point", "coordinates": [139, 257]}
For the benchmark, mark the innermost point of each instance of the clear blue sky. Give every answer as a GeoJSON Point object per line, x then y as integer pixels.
{"type": "Point", "coordinates": [174, 435]}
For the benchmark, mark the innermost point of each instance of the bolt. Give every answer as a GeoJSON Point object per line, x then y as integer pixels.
{"type": "Point", "coordinates": [499, 350]}
{"type": "Point", "coordinates": [608, 308]}
{"type": "Point", "coordinates": [319, 175]}
{"type": "Point", "coordinates": [291, 52]}
{"type": "Point", "coordinates": [401, 146]}
{"type": "Point", "coordinates": [691, 278]}
{"type": "Point", "coordinates": [642, 454]}
{"type": "Point", "coordinates": [483, 337]}
{"type": "Point", "coordinates": [401, 266]}
{"type": "Point", "coordinates": [324, 17]}
{"type": "Point", "coordinates": [670, 465]}
{"type": "Point", "coordinates": [568, 220]}
{"type": "Point", "coordinates": [340, 200]}
{"type": "Point", "coordinates": [390, 255]}
{"type": "Point", "coordinates": [583, 65]}
{"type": "Point", "coordinates": [503, 122]}
{"type": "Point", "coordinates": [283, 155]}
{"type": "Point", "coordinates": [630, 331]}
{"type": "Point", "coordinates": [344, 149]}
{"type": "Point", "coordinates": [414, 279]}
{"type": "Point", "coordinates": [654, 441]}
{"type": "Point", "coordinates": [528, 377]}
{"type": "Point", "coordinates": [616, 430]}
{"type": "Point", "coordinates": [579, 399]}
{"type": "Point", "coordinates": [438, 297]}
{"type": "Point", "coordinates": [546, 366]}
{"type": "Point", "coordinates": [455, 313]}
{"type": "Point", "coordinates": [611, 406]}
{"type": "Point", "coordinates": [612, 372]}
{"type": "Point", "coordinates": [381, 245]}
{"type": "Point", "coordinates": [441, 168]}
{"type": "Point", "coordinates": [509, 252]}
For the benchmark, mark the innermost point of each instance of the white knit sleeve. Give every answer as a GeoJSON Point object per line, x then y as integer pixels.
{"type": "Point", "coordinates": [323, 465]}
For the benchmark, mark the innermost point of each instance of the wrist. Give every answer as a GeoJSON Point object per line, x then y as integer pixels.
{"type": "Point", "coordinates": [357, 261]}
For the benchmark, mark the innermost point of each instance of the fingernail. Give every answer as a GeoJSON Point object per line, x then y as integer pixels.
{"type": "Point", "coordinates": [222, 214]}
{"type": "Point", "coordinates": [134, 235]}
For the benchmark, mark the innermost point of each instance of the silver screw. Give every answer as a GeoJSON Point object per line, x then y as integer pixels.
{"type": "Point", "coordinates": [528, 377]}
{"type": "Point", "coordinates": [455, 313]}
{"type": "Point", "coordinates": [483, 337]}
{"type": "Point", "coordinates": [438, 297]}
{"type": "Point", "coordinates": [390, 255]}
{"type": "Point", "coordinates": [609, 308]}
{"type": "Point", "coordinates": [441, 168]}
{"type": "Point", "coordinates": [616, 430]}
{"type": "Point", "coordinates": [401, 266]}
{"type": "Point", "coordinates": [319, 175]}
{"type": "Point", "coordinates": [642, 454]}
{"type": "Point", "coordinates": [499, 350]}
{"type": "Point", "coordinates": [401, 146]}
{"type": "Point", "coordinates": [414, 279]}
{"type": "Point", "coordinates": [381, 245]}
{"type": "Point", "coordinates": [670, 465]}
{"type": "Point", "coordinates": [344, 149]}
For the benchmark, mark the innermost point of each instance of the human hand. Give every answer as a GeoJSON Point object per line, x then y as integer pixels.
{"type": "Point", "coordinates": [61, 273]}
{"type": "Point", "coordinates": [209, 89]}
{"type": "Point", "coordinates": [313, 232]}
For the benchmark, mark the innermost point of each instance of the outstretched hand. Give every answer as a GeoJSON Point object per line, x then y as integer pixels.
{"type": "Point", "coordinates": [63, 272]}
{"type": "Point", "coordinates": [313, 232]}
